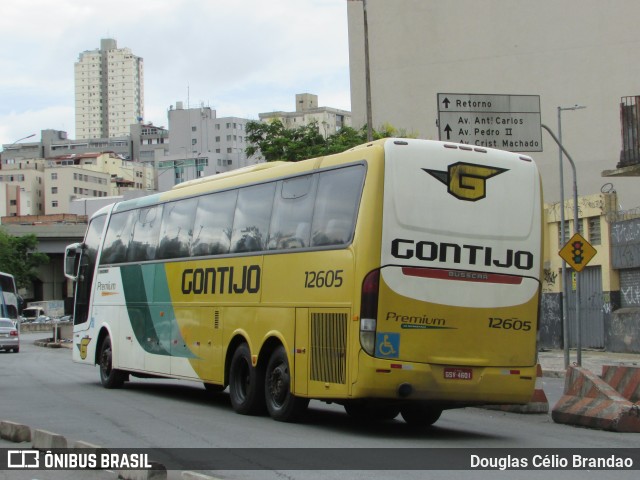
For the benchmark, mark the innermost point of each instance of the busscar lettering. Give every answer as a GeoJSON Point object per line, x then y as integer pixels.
{"type": "Point", "coordinates": [428, 251]}
{"type": "Point", "coordinates": [221, 280]}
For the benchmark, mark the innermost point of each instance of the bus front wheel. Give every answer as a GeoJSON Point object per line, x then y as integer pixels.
{"type": "Point", "coordinates": [109, 376]}
{"type": "Point", "coordinates": [246, 383]}
{"type": "Point", "coordinates": [281, 403]}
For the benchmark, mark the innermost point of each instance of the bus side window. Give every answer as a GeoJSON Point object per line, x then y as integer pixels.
{"type": "Point", "coordinates": [336, 206]}
{"type": "Point", "coordinates": [145, 234]}
{"type": "Point", "coordinates": [213, 223]}
{"type": "Point", "coordinates": [292, 212]}
{"type": "Point", "coordinates": [176, 229]}
{"type": "Point", "coordinates": [118, 237]}
{"type": "Point", "coordinates": [252, 218]}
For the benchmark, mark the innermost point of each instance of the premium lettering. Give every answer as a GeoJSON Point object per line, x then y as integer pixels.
{"type": "Point", "coordinates": [221, 280]}
{"type": "Point", "coordinates": [461, 254]}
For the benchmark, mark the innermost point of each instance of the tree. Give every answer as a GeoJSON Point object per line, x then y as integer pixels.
{"type": "Point", "coordinates": [18, 256]}
{"type": "Point", "coordinates": [276, 142]}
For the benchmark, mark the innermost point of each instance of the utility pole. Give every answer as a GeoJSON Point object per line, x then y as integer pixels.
{"type": "Point", "coordinates": [367, 74]}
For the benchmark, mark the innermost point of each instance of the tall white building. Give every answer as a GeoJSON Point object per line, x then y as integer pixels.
{"type": "Point", "coordinates": [109, 91]}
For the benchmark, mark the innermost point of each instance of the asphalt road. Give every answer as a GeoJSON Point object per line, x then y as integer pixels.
{"type": "Point", "coordinates": [42, 388]}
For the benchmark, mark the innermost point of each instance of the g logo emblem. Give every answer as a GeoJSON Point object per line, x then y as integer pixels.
{"type": "Point", "coordinates": [466, 181]}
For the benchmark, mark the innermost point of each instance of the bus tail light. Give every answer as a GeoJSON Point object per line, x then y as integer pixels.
{"type": "Point", "coordinates": [369, 311]}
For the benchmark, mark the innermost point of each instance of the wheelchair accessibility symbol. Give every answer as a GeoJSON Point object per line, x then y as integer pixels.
{"type": "Point", "coordinates": [387, 345]}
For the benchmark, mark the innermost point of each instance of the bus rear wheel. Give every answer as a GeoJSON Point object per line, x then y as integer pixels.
{"type": "Point", "coordinates": [109, 377]}
{"type": "Point", "coordinates": [366, 412]}
{"type": "Point", "coordinates": [420, 415]}
{"type": "Point", "coordinates": [246, 383]}
{"type": "Point", "coordinates": [282, 405]}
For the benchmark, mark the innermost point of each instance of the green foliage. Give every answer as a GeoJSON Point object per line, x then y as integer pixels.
{"type": "Point", "coordinates": [18, 256]}
{"type": "Point", "coordinates": [276, 142]}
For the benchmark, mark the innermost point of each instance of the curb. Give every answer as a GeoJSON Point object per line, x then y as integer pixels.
{"type": "Point", "coordinates": [45, 440]}
{"type": "Point", "coordinates": [49, 343]}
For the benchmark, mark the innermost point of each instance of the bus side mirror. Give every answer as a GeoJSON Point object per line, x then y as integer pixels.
{"type": "Point", "coordinates": [71, 256]}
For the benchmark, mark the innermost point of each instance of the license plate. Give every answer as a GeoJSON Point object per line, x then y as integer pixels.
{"type": "Point", "coordinates": [458, 373]}
{"type": "Point", "coordinates": [4, 334]}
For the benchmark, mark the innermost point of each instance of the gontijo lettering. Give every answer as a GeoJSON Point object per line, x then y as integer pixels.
{"type": "Point", "coordinates": [452, 252]}
{"type": "Point", "coordinates": [221, 280]}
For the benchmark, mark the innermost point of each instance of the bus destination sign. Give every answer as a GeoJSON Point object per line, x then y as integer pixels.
{"type": "Point", "coordinates": [507, 122]}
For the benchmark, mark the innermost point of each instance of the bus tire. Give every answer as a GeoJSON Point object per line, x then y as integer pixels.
{"type": "Point", "coordinates": [282, 405]}
{"type": "Point", "coordinates": [109, 376]}
{"type": "Point", "coordinates": [420, 415]}
{"type": "Point", "coordinates": [246, 383]}
{"type": "Point", "coordinates": [213, 387]}
{"type": "Point", "coordinates": [366, 412]}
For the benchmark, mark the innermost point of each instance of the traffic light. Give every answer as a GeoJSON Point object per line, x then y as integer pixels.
{"type": "Point", "coordinates": [578, 252]}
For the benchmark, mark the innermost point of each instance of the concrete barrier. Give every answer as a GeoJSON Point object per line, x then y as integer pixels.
{"type": "Point", "coordinates": [589, 401]}
{"type": "Point", "coordinates": [14, 432]}
{"type": "Point", "coordinates": [624, 379]}
{"type": "Point", "coordinates": [43, 440]}
{"type": "Point", "coordinates": [157, 472]}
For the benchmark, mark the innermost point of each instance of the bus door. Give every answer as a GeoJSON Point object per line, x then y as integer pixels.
{"type": "Point", "coordinates": [80, 265]}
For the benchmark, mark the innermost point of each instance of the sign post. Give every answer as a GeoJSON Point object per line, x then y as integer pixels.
{"type": "Point", "coordinates": [577, 252]}
{"type": "Point", "coordinates": [507, 122]}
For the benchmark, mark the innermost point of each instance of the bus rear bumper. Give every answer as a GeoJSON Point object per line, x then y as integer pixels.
{"type": "Point", "coordinates": [450, 384]}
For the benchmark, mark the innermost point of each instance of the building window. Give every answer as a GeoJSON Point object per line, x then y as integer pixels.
{"type": "Point", "coordinates": [567, 233]}
{"type": "Point", "coordinates": [54, 176]}
{"type": "Point", "coordinates": [54, 203]}
{"type": "Point", "coordinates": [54, 190]}
{"type": "Point", "coordinates": [193, 129]}
{"type": "Point", "coordinates": [595, 237]}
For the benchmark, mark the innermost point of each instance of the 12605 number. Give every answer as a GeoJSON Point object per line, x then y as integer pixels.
{"type": "Point", "coordinates": [323, 278]}
{"type": "Point", "coordinates": [510, 324]}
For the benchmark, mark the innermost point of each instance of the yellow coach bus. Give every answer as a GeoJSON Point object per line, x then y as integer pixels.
{"type": "Point", "coordinates": [401, 276]}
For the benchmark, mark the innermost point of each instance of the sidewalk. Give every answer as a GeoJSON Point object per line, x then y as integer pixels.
{"type": "Point", "coordinates": [552, 361]}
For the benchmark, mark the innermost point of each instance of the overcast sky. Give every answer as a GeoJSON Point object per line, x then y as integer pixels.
{"type": "Point", "coordinates": [239, 57]}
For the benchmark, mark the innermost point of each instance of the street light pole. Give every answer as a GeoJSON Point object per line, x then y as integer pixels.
{"type": "Point", "coordinates": [565, 326]}
{"type": "Point", "coordinates": [20, 139]}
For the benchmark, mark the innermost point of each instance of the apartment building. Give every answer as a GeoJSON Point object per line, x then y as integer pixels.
{"type": "Point", "coordinates": [48, 186]}
{"type": "Point", "coordinates": [329, 120]}
{"type": "Point", "coordinates": [202, 144]}
{"type": "Point", "coordinates": [22, 188]}
{"type": "Point", "coordinates": [109, 91]}
{"type": "Point", "coordinates": [66, 181]}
